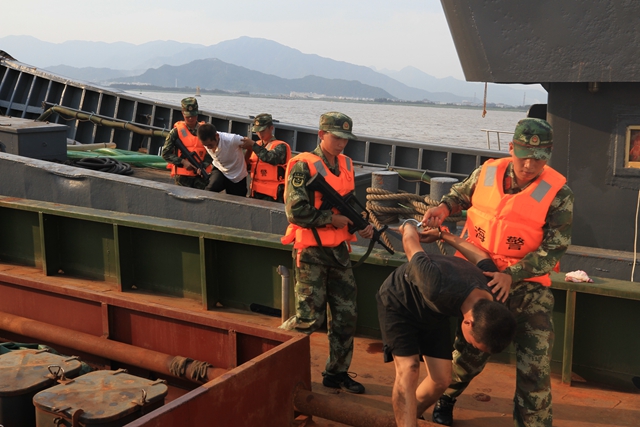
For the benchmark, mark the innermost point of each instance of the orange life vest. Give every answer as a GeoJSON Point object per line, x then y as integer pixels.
{"type": "Point", "coordinates": [265, 177]}
{"type": "Point", "coordinates": [329, 235]}
{"type": "Point", "coordinates": [191, 143]}
{"type": "Point", "coordinates": [509, 226]}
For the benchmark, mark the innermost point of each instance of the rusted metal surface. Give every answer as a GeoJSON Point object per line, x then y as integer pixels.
{"type": "Point", "coordinates": [99, 398]}
{"type": "Point", "coordinates": [345, 412]}
{"type": "Point", "coordinates": [113, 350]}
{"type": "Point", "coordinates": [270, 362]}
{"type": "Point", "coordinates": [23, 373]}
{"type": "Point", "coordinates": [258, 393]}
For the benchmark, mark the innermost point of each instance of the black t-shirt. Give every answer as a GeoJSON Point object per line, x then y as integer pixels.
{"type": "Point", "coordinates": [437, 283]}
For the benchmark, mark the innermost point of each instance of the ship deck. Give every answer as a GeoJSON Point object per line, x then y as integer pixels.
{"type": "Point", "coordinates": [487, 402]}
{"type": "Point", "coordinates": [579, 405]}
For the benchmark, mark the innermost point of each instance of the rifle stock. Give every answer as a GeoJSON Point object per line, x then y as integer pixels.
{"type": "Point", "coordinates": [193, 158]}
{"type": "Point", "coordinates": [332, 199]}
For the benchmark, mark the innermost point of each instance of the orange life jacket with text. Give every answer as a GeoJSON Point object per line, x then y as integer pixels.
{"type": "Point", "coordinates": [509, 226]}
{"type": "Point", "coordinates": [329, 235]}
{"type": "Point", "coordinates": [265, 177]}
{"type": "Point", "coordinates": [191, 143]}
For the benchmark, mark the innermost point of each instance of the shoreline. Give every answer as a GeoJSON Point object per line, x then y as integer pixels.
{"type": "Point", "coordinates": [217, 92]}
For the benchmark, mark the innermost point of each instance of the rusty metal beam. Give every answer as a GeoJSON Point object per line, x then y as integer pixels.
{"type": "Point", "coordinates": [113, 350]}
{"type": "Point", "coordinates": [341, 411]}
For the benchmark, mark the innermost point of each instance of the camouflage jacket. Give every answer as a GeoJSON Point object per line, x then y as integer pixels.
{"type": "Point", "coordinates": [275, 156]}
{"type": "Point", "coordinates": [169, 149]}
{"type": "Point", "coordinates": [557, 227]}
{"type": "Point", "coordinates": [301, 211]}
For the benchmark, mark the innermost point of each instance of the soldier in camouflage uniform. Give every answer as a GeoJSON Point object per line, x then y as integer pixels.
{"type": "Point", "coordinates": [169, 150]}
{"type": "Point", "coordinates": [323, 272]}
{"type": "Point", "coordinates": [268, 161]}
{"type": "Point", "coordinates": [523, 280]}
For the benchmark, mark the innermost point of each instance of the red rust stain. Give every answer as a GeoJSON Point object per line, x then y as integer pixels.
{"type": "Point", "coordinates": [374, 347]}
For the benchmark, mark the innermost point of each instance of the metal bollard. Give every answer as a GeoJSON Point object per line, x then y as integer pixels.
{"type": "Point", "coordinates": [438, 188]}
{"type": "Point", "coordinates": [284, 293]}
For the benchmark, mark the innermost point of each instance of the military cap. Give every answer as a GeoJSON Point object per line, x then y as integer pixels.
{"type": "Point", "coordinates": [533, 139]}
{"type": "Point", "coordinates": [261, 122]}
{"type": "Point", "coordinates": [338, 124]}
{"type": "Point", "coordinates": [189, 107]}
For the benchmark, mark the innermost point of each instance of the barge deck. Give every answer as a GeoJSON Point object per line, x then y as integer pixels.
{"type": "Point", "coordinates": [487, 402]}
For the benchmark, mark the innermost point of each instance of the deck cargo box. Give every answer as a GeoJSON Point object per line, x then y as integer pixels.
{"type": "Point", "coordinates": [99, 398]}
{"type": "Point", "coordinates": [37, 140]}
{"type": "Point", "coordinates": [23, 373]}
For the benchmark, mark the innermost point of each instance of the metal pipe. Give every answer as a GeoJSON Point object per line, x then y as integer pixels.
{"type": "Point", "coordinates": [342, 411]}
{"type": "Point", "coordinates": [113, 350]}
{"type": "Point", "coordinates": [284, 293]}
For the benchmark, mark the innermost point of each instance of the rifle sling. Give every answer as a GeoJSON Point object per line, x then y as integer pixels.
{"type": "Point", "coordinates": [366, 255]}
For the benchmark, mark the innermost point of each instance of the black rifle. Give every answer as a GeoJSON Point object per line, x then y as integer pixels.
{"type": "Point", "coordinates": [344, 204]}
{"type": "Point", "coordinates": [193, 158]}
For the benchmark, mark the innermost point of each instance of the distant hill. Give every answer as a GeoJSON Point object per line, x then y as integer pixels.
{"type": "Point", "coordinates": [256, 54]}
{"type": "Point", "coordinates": [216, 74]}
{"type": "Point", "coordinates": [91, 74]}
{"type": "Point", "coordinates": [474, 91]}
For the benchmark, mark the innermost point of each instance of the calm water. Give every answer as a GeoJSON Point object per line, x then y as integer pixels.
{"type": "Point", "coordinates": [437, 125]}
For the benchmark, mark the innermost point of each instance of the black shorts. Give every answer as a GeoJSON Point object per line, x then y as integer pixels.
{"type": "Point", "coordinates": [405, 335]}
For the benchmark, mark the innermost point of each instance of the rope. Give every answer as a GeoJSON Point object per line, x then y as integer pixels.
{"type": "Point", "coordinates": [199, 372]}
{"type": "Point", "coordinates": [103, 164]}
{"type": "Point", "coordinates": [484, 102]}
{"type": "Point", "coordinates": [178, 366]}
{"type": "Point", "coordinates": [409, 205]}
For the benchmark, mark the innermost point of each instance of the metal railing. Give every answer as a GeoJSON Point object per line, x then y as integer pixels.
{"type": "Point", "coordinates": [488, 133]}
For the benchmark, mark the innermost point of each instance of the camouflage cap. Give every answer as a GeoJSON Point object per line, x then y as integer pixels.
{"type": "Point", "coordinates": [189, 107]}
{"type": "Point", "coordinates": [338, 124]}
{"type": "Point", "coordinates": [533, 139]}
{"type": "Point", "coordinates": [261, 122]}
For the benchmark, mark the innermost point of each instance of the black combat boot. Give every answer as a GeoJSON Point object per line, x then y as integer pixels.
{"type": "Point", "coordinates": [343, 381]}
{"type": "Point", "coordinates": [443, 411]}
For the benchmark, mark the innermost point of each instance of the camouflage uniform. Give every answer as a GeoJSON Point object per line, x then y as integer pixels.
{"type": "Point", "coordinates": [169, 149]}
{"type": "Point", "coordinates": [531, 303]}
{"type": "Point", "coordinates": [324, 276]}
{"type": "Point", "coordinates": [276, 156]}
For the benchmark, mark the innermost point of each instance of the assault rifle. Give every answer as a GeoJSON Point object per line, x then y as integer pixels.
{"type": "Point", "coordinates": [193, 158]}
{"type": "Point", "coordinates": [344, 204]}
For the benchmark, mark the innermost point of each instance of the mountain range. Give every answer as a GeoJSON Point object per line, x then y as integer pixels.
{"type": "Point", "coordinates": [250, 64]}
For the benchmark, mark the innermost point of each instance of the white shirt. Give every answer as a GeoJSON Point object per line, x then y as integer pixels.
{"type": "Point", "coordinates": [228, 158]}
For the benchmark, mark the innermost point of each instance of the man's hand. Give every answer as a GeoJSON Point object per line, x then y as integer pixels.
{"type": "Point", "coordinates": [340, 221]}
{"type": "Point", "coordinates": [500, 284]}
{"type": "Point", "coordinates": [431, 235]}
{"type": "Point", "coordinates": [366, 233]}
{"type": "Point", "coordinates": [434, 217]}
{"type": "Point", "coordinates": [187, 165]}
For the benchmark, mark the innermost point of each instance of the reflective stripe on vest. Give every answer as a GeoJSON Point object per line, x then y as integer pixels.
{"type": "Point", "coordinates": [344, 184]}
{"type": "Point", "coordinates": [509, 226]}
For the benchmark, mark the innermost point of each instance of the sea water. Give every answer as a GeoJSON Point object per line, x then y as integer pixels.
{"type": "Point", "coordinates": [430, 124]}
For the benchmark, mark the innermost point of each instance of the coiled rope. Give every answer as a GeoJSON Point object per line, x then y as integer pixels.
{"type": "Point", "coordinates": [103, 164]}
{"type": "Point", "coordinates": [407, 205]}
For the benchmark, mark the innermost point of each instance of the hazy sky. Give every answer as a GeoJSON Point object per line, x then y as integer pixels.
{"type": "Point", "coordinates": [389, 34]}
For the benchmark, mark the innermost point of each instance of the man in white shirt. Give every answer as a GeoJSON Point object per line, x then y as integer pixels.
{"type": "Point", "coordinates": [229, 167]}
